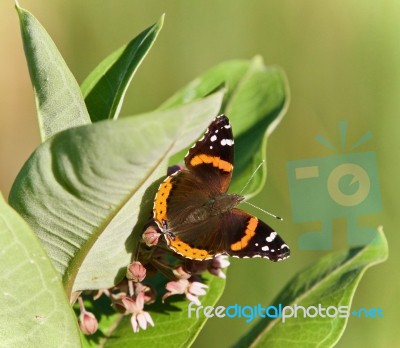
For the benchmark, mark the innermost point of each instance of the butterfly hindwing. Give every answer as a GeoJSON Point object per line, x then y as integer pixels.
{"type": "Point", "coordinates": [251, 237]}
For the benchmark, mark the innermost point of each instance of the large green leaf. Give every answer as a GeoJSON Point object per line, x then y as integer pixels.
{"type": "Point", "coordinates": [85, 189]}
{"type": "Point", "coordinates": [330, 282]}
{"type": "Point", "coordinates": [34, 309]}
{"type": "Point", "coordinates": [58, 97]}
{"type": "Point", "coordinates": [256, 100]}
{"type": "Point", "coordinates": [104, 89]}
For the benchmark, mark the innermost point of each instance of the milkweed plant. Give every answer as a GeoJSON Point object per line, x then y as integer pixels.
{"type": "Point", "coordinates": [81, 263]}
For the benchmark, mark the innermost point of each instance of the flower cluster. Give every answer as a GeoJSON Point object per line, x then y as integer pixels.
{"type": "Point", "coordinates": [131, 295]}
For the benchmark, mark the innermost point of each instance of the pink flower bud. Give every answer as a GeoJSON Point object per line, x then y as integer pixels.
{"type": "Point", "coordinates": [151, 236]}
{"type": "Point", "coordinates": [180, 273]}
{"type": "Point", "coordinates": [136, 271]}
{"type": "Point", "coordinates": [217, 264]}
{"type": "Point", "coordinates": [88, 323]}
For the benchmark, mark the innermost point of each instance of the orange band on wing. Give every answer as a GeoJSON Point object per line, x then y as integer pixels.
{"type": "Point", "coordinates": [249, 233]}
{"type": "Point", "coordinates": [217, 162]}
{"type": "Point", "coordinates": [160, 202]}
{"type": "Point", "coordinates": [186, 250]}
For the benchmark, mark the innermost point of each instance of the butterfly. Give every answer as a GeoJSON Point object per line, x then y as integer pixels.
{"type": "Point", "coordinates": [197, 216]}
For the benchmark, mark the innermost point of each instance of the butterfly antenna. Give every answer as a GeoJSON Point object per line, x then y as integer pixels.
{"type": "Point", "coordinates": [254, 206]}
{"type": "Point", "coordinates": [252, 176]}
{"type": "Point", "coordinates": [264, 211]}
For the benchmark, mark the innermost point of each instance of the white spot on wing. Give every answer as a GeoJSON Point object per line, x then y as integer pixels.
{"type": "Point", "coordinates": [228, 142]}
{"type": "Point", "coordinates": [271, 237]}
{"type": "Point", "coordinates": [213, 138]}
{"type": "Point", "coordinates": [265, 248]}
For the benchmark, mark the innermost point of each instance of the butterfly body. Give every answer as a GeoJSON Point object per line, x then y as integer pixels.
{"type": "Point", "coordinates": [199, 218]}
{"type": "Point", "coordinates": [214, 206]}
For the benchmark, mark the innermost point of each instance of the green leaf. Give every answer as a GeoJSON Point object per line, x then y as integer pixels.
{"type": "Point", "coordinates": [227, 74]}
{"type": "Point", "coordinates": [34, 308]}
{"type": "Point", "coordinates": [58, 98]}
{"type": "Point", "coordinates": [330, 282]}
{"type": "Point", "coordinates": [259, 103]}
{"type": "Point", "coordinates": [104, 89]}
{"type": "Point", "coordinates": [255, 102]}
{"type": "Point", "coordinates": [84, 190]}
{"type": "Point", "coordinates": [173, 327]}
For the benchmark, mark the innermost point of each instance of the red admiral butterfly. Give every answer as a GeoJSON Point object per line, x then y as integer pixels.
{"type": "Point", "coordinates": [196, 214]}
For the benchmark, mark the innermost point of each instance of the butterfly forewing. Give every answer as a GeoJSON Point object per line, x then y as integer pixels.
{"type": "Point", "coordinates": [212, 156]}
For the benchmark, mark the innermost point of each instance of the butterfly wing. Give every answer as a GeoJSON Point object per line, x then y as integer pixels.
{"type": "Point", "coordinates": [247, 236]}
{"type": "Point", "coordinates": [182, 213]}
{"type": "Point", "coordinates": [237, 234]}
{"type": "Point", "coordinates": [211, 157]}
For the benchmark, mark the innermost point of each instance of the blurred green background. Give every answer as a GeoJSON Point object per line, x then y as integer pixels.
{"type": "Point", "coordinates": [342, 62]}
